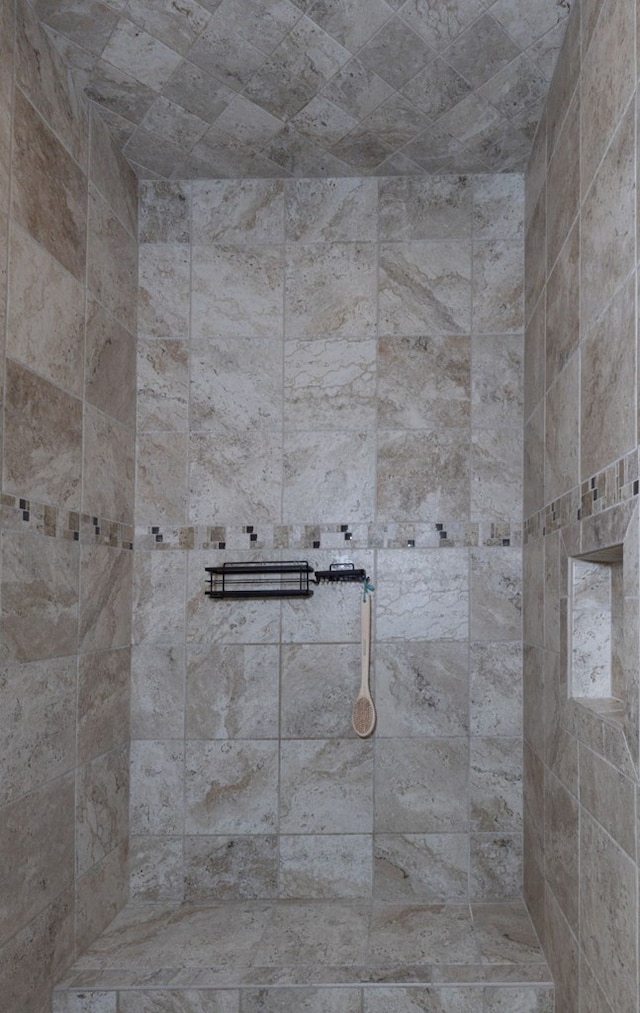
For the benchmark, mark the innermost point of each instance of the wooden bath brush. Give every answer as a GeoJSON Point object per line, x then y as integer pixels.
{"type": "Point", "coordinates": [364, 713]}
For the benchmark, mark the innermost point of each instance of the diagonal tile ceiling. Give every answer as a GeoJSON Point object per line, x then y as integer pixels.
{"type": "Point", "coordinates": [237, 88]}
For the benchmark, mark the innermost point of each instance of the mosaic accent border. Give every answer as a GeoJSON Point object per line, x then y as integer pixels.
{"type": "Point", "coordinates": [22, 514]}
{"type": "Point", "coordinates": [276, 537]}
{"type": "Point", "coordinates": [617, 483]}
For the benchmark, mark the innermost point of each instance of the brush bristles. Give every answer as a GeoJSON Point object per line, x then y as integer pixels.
{"type": "Point", "coordinates": [364, 716]}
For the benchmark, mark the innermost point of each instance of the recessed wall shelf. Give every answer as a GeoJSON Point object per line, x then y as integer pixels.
{"type": "Point", "coordinates": [287, 579]}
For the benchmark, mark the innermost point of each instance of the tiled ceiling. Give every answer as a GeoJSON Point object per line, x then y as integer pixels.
{"type": "Point", "coordinates": [241, 88]}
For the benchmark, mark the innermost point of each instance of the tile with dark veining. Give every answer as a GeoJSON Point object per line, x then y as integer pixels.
{"type": "Point", "coordinates": [396, 53]}
{"type": "Point", "coordinates": [163, 385]}
{"type": "Point", "coordinates": [420, 868]}
{"type": "Point", "coordinates": [496, 689]}
{"type": "Point", "coordinates": [159, 580]}
{"type": "Point", "coordinates": [103, 701]}
{"type": "Point", "coordinates": [497, 381]}
{"type": "Point", "coordinates": [172, 124]}
{"type": "Point", "coordinates": [49, 190]}
{"type": "Point", "coordinates": [425, 287]}
{"type": "Point", "coordinates": [482, 50]}
{"type": "Point", "coordinates": [230, 868]}
{"type": "Point", "coordinates": [439, 26]}
{"type": "Point", "coordinates": [498, 206]}
{"type": "Point", "coordinates": [436, 89]}
{"type": "Point", "coordinates": [221, 52]}
{"type": "Point", "coordinates": [421, 786]}
{"type": "Point", "coordinates": [325, 866]}
{"type": "Point", "coordinates": [42, 440]}
{"type": "Point", "coordinates": [319, 683]}
{"type": "Point", "coordinates": [357, 89]}
{"type": "Point", "coordinates": [110, 365]}
{"type": "Point", "coordinates": [112, 262]}
{"type": "Point", "coordinates": [245, 372]}
{"type": "Point", "coordinates": [157, 786]}
{"type": "Point", "coordinates": [38, 954]}
{"type": "Point", "coordinates": [161, 478]}
{"type": "Point", "coordinates": [237, 291]}
{"type": "Point", "coordinates": [237, 482]}
{"type": "Point", "coordinates": [420, 933]}
{"type": "Point", "coordinates": [331, 210]}
{"type": "Point", "coordinates": [105, 597]}
{"type": "Point", "coordinates": [7, 58]}
{"type": "Point", "coordinates": [232, 692]}
{"type": "Point", "coordinates": [163, 301]}
{"type": "Point", "coordinates": [102, 807]}
{"type": "Point", "coordinates": [157, 691]}
{"type": "Point", "coordinates": [330, 383]}
{"type": "Point", "coordinates": [231, 787]}
{"type": "Point", "coordinates": [496, 474]}
{"type": "Point", "coordinates": [323, 122]}
{"type": "Point", "coordinates": [37, 723]}
{"type": "Point", "coordinates": [497, 286]}
{"type": "Point", "coordinates": [421, 689]}
{"type": "Point", "coordinates": [496, 784]}
{"type": "Point", "coordinates": [496, 594]}
{"type": "Point", "coordinates": [156, 870]}
{"type": "Point", "coordinates": [363, 148]}
{"type": "Point", "coordinates": [300, 932]}
{"type": "Point", "coordinates": [436, 207]}
{"type": "Point", "coordinates": [135, 51]}
{"type": "Point", "coordinates": [238, 211]}
{"type": "Point", "coordinates": [111, 175]}
{"type": "Point", "coordinates": [182, 1001]}
{"type": "Point", "coordinates": [108, 466]}
{"type": "Point", "coordinates": [423, 382]}
{"type": "Point", "coordinates": [46, 314]}
{"type": "Point", "coordinates": [505, 933]}
{"type": "Point", "coordinates": [420, 1000]}
{"type": "Point", "coordinates": [326, 786]}
{"type": "Point", "coordinates": [165, 212]}
{"type": "Point", "coordinates": [154, 156]}
{"type": "Point", "coordinates": [422, 597]}
{"type": "Point", "coordinates": [328, 476]}
{"type": "Point", "coordinates": [198, 92]}
{"type": "Point", "coordinates": [330, 289]}
{"type": "Point", "coordinates": [423, 474]}
{"type": "Point", "coordinates": [289, 1000]}
{"type": "Point", "coordinates": [100, 893]}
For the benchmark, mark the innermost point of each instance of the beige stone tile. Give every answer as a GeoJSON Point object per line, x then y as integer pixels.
{"type": "Point", "coordinates": [496, 688]}
{"type": "Point", "coordinates": [105, 597]}
{"type": "Point", "coordinates": [496, 784]}
{"type": "Point", "coordinates": [325, 866]}
{"type": "Point", "coordinates": [319, 683]}
{"type": "Point", "coordinates": [237, 291]}
{"type": "Point", "coordinates": [40, 580]}
{"type": "Point", "coordinates": [564, 82]}
{"type": "Point", "coordinates": [157, 787]}
{"type": "Point", "coordinates": [505, 933]}
{"type": "Point", "coordinates": [422, 868]}
{"type": "Point", "coordinates": [38, 955]}
{"type": "Point", "coordinates": [163, 386]}
{"type": "Point", "coordinates": [45, 80]}
{"type": "Point", "coordinates": [218, 1001]}
{"type": "Point", "coordinates": [405, 933]}
{"type": "Point", "coordinates": [108, 479]}
{"type": "Point", "coordinates": [231, 787]}
{"type": "Point", "coordinates": [156, 868]}
{"type": "Point", "coordinates": [326, 786]}
{"type": "Point", "coordinates": [562, 847]}
{"type": "Point", "coordinates": [425, 287]}
{"type": "Point", "coordinates": [330, 289]}
{"type": "Point", "coordinates": [232, 692]}
{"type": "Point", "coordinates": [607, 236]}
{"type": "Point", "coordinates": [607, 83]}
{"type": "Point", "coordinates": [294, 937]}
{"type": "Point", "coordinates": [593, 999]}
{"type": "Point", "coordinates": [535, 338]}
{"type": "Point", "coordinates": [157, 691]}
{"type": "Point", "coordinates": [7, 57]}
{"type": "Point", "coordinates": [607, 386]}
{"type": "Point", "coordinates": [238, 211]}
{"type": "Point", "coordinates": [422, 595]}
{"type": "Point", "coordinates": [236, 385]}
{"type": "Point", "coordinates": [421, 689]}
{"type": "Point", "coordinates": [45, 327]}
{"type": "Point", "coordinates": [497, 381]}
{"type": "Point", "coordinates": [533, 592]}
{"type": "Point", "coordinates": [102, 807]}
{"type": "Point", "coordinates": [533, 469]}
{"type": "Point", "coordinates": [49, 190]}
{"type": "Point", "coordinates": [110, 365]}
{"type": "Point", "coordinates": [238, 481]}
{"type": "Point", "coordinates": [495, 869]}
{"type": "Point", "coordinates": [37, 839]}
{"type": "Point", "coordinates": [423, 382]}
{"type": "Point", "coordinates": [230, 868]}
{"type": "Point", "coordinates": [163, 298]}
{"type": "Point", "coordinates": [408, 1000]}
{"type": "Point", "coordinates": [562, 453]}
{"type": "Point", "coordinates": [425, 208]}
{"type": "Point", "coordinates": [608, 906]}
{"type": "Point", "coordinates": [563, 301]}
{"type": "Point", "coordinates": [498, 206]}
{"type": "Point", "coordinates": [496, 594]}
{"type": "Point", "coordinates": [533, 804]}
{"type": "Point", "coordinates": [331, 210]}
{"type": "Point", "coordinates": [100, 894]}
{"type": "Point", "coordinates": [159, 585]}
{"type": "Point", "coordinates": [328, 477]}
{"type": "Point", "coordinates": [334, 616]}
{"type": "Point", "coordinates": [609, 797]}
{"type": "Point", "coordinates": [328, 383]}
{"type": "Point", "coordinates": [112, 272]}
{"type": "Point", "coordinates": [161, 478]}
{"type": "Point", "coordinates": [421, 786]}
{"type": "Point", "coordinates": [496, 474]}
{"type": "Point", "coordinates": [110, 173]}
{"type": "Point", "coordinates": [423, 475]}
{"type": "Point", "coordinates": [37, 723]}
{"type": "Point", "coordinates": [164, 211]}
{"type": "Point", "coordinates": [42, 440]}
{"type": "Point", "coordinates": [497, 286]}
{"type": "Point", "coordinates": [103, 701]}
{"type": "Point", "coordinates": [563, 188]}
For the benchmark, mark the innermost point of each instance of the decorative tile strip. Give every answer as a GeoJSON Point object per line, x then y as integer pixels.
{"type": "Point", "coordinates": [616, 484]}
{"type": "Point", "coordinates": [22, 514]}
{"type": "Point", "coordinates": [330, 537]}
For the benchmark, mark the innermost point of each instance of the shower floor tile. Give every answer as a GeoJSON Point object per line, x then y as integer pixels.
{"type": "Point", "coordinates": [287, 943]}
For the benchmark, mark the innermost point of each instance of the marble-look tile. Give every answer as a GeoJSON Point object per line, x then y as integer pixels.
{"type": "Point", "coordinates": [498, 206]}
{"type": "Point", "coordinates": [164, 212]}
{"type": "Point", "coordinates": [562, 451]}
{"type": "Point", "coordinates": [100, 893]}
{"type": "Point", "coordinates": [607, 423]}
{"type": "Point", "coordinates": [37, 723]}
{"type": "Point", "coordinates": [137, 52]}
{"type": "Point", "coordinates": [607, 235]}
{"type": "Point", "coordinates": [110, 173]}
{"type": "Point", "coordinates": [45, 326]}
{"type": "Point", "coordinates": [425, 287]}
{"type": "Point", "coordinates": [396, 53]}
{"type": "Point", "coordinates": [319, 683]}
{"type": "Point", "coordinates": [423, 382]}
{"type": "Point", "coordinates": [422, 689]}
{"type": "Point", "coordinates": [436, 89]}
{"type": "Point", "coordinates": [7, 62]}
{"type": "Point", "coordinates": [45, 80]}
{"type": "Point", "coordinates": [238, 211]}
{"type": "Point", "coordinates": [37, 839]}
{"type": "Point", "coordinates": [234, 622]}
{"type": "Point", "coordinates": [505, 933]}
{"type": "Point", "coordinates": [496, 688]}
{"type": "Point", "coordinates": [37, 955]}
{"type": "Point", "coordinates": [334, 615]}
{"type": "Point", "coordinates": [323, 122]}
{"type": "Point", "coordinates": [237, 291]}
{"type": "Point", "coordinates": [357, 89]}
{"type": "Point", "coordinates": [103, 701]}
{"type": "Point", "coordinates": [410, 933]}
{"type": "Point", "coordinates": [156, 868]}
{"type": "Point", "coordinates": [423, 475]}
{"type": "Point", "coordinates": [182, 1001]}
{"type": "Point", "coordinates": [232, 692]}
{"type": "Point", "coordinates": [64, 1001]}
{"type": "Point", "coordinates": [42, 440]}
{"type": "Point", "coordinates": [497, 286]}
{"type": "Point", "coordinates": [497, 381]}
{"type": "Point", "coordinates": [440, 27]}
{"type": "Point", "coordinates": [161, 478]}
{"type": "Point", "coordinates": [230, 868]}
{"type": "Point", "coordinates": [421, 786]}
{"type": "Point", "coordinates": [40, 590]}
{"type": "Point", "coordinates": [163, 386]}
{"type": "Point", "coordinates": [157, 691]}
{"type": "Point", "coordinates": [608, 796]}
{"type": "Point", "coordinates": [328, 477]}
{"type": "Point", "coordinates": [325, 866]}
{"type": "Point", "coordinates": [563, 302]}
{"type": "Point", "coordinates": [331, 210]}
{"type": "Point", "coordinates": [417, 1000]}
{"type": "Point", "coordinates": [563, 191]}
{"type": "Point", "coordinates": [292, 1000]}
{"type": "Point", "coordinates": [496, 594]}
{"type": "Point", "coordinates": [329, 383]}
{"type": "Point", "coordinates": [102, 807]}
{"type": "Point", "coordinates": [420, 867]}
{"type": "Point", "coordinates": [159, 581]}
{"type": "Point", "coordinates": [330, 290]}
{"type": "Point", "coordinates": [245, 372]}
{"type": "Point", "coordinates": [535, 258]}
{"type": "Point", "coordinates": [198, 92]}
{"type": "Point", "coordinates": [238, 481]}
{"type": "Point", "coordinates": [170, 123]}
{"type": "Point", "coordinates": [157, 787]}
{"type": "Point", "coordinates": [294, 936]}
{"type": "Point", "coordinates": [222, 53]}
{"type": "Point", "coordinates": [231, 787]}
{"type": "Point", "coordinates": [326, 786]}
{"type": "Point", "coordinates": [110, 365]}
{"type": "Point", "coordinates": [415, 208]}
{"type": "Point", "coordinates": [608, 908]}
{"type": "Point", "coordinates": [533, 463]}
{"type": "Point", "coordinates": [496, 784]}
{"type": "Point", "coordinates": [105, 597]}
{"type": "Point", "coordinates": [108, 466]}
{"type": "Point", "coordinates": [422, 596]}
{"type": "Point", "coordinates": [111, 262]}
{"type": "Point", "coordinates": [561, 841]}
{"type": "Point", "coordinates": [481, 50]}
{"type": "Point", "coordinates": [163, 299]}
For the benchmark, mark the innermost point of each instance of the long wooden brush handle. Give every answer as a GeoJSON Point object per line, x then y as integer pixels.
{"type": "Point", "coordinates": [364, 713]}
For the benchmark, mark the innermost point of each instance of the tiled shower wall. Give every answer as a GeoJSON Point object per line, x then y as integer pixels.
{"type": "Point", "coordinates": [581, 495]}
{"type": "Point", "coordinates": [67, 326]}
{"type": "Point", "coordinates": [329, 370]}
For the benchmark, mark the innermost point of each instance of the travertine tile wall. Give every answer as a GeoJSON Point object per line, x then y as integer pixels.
{"type": "Point", "coordinates": [67, 323]}
{"type": "Point", "coordinates": [581, 486]}
{"type": "Point", "coordinates": [329, 369]}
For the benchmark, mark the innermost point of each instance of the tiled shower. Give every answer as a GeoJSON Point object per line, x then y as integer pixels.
{"type": "Point", "coordinates": [329, 370]}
